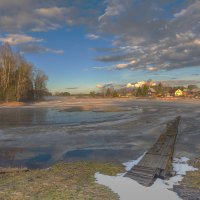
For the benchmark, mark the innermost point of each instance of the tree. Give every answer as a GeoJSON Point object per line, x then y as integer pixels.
{"type": "Point", "coordinates": [145, 90]}
{"type": "Point", "coordinates": [115, 94]}
{"type": "Point", "coordinates": [7, 69]}
{"type": "Point", "coordinates": [64, 94]}
{"type": "Point", "coordinates": [139, 92]}
{"type": "Point", "coordinates": [108, 92]}
{"type": "Point", "coordinates": [92, 93]}
{"type": "Point", "coordinates": [160, 89]}
{"type": "Point", "coordinates": [18, 80]}
{"type": "Point", "coordinates": [24, 77]}
{"type": "Point", "coordinates": [191, 87]}
{"type": "Point", "coordinates": [40, 88]}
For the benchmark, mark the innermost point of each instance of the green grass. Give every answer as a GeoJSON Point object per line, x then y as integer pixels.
{"type": "Point", "coordinates": [62, 181]}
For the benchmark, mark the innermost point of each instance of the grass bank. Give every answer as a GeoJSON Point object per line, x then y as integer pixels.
{"type": "Point", "coordinates": [62, 181]}
{"type": "Point", "coordinates": [189, 188]}
{"type": "Point", "coordinates": [192, 179]}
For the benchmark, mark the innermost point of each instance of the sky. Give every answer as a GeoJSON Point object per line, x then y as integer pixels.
{"type": "Point", "coordinates": [82, 44]}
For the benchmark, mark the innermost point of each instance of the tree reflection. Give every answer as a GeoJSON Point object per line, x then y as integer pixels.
{"type": "Point", "coordinates": [22, 117]}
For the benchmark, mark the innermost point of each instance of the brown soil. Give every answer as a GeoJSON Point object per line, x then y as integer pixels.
{"type": "Point", "coordinates": [13, 104]}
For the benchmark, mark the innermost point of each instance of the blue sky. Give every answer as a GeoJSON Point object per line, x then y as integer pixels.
{"type": "Point", "coordinates": [80, 44]}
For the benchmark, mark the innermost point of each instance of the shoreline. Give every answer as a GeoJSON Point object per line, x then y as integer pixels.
{"type": "Point", "coordinates": [75, 101]}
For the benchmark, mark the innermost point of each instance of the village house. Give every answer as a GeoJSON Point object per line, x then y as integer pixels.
{"type": "Point", "coordinates": [196, 93]}
{"type": "Point", "coordinates": [151, 92]}
{"type": "Point", "coordinates": [178, 93]}
{"type": "Point", "coordinates": [167, 94]}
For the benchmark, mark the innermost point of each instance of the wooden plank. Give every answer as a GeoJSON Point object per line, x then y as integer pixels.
{"type": "Point", "coordinates": [157, 162]}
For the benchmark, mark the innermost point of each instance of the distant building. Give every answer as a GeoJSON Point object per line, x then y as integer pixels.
{"type": "Point", "coordinates": [196, 93]}
{"type": "Point", "coordinates": [129, 94]}
{"type": "Point", "coordinates": [178, 93]}
{"type": "Point", "coordinates": [167, 94]}
{"type": "Point", "coordinates": [151, 92]}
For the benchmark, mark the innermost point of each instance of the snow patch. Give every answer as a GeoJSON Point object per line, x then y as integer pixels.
{"type": "Point", "coordinates": [128, 165]}
{"type": "Point", "coordinates": [128, 189]}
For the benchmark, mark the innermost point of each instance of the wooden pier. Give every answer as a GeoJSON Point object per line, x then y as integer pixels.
{"type": "Point", "coordinates": [157, 162]}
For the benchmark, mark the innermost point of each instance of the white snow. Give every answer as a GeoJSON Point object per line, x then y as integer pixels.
{"type": "Point", "coordinates": [128, 165]}
{"type": "Point", "coordinates": [128, 189]}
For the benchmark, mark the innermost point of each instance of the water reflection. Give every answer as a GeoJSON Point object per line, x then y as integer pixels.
{"type": "Point", "coordinates": [17, 116]}
{"type": "Point", "coordinates": [43, 141]}
{"type": "Point", "coordinates": [30, 158]}
{"type": "Point", "coordinates": [109, 155]}
{"type": "Point", "coordinates": [42, 116]}
{"type": "Point", "coordinates": [8, 155]}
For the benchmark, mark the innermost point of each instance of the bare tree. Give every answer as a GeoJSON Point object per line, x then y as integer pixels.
{"type": "Point", "coordinates": [40, 88]}
{"type": "Point", "coordinates": [7, 70]}
{"type": "Point", "coordinates": [18, 80]}
{"type": "Point", "coordinates": [24, 77]}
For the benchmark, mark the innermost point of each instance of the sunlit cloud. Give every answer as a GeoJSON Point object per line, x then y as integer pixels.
{"type": "Point", "coordinates": [151, 69]}
{"type": "Point", "coordinates": [51, 12]}
{"type": "Point", "coordinates": [165, 39]}
{"type": "Point", "coordinates": [121, 66]}
{"type": "Point", "coordinates": [15, 39]}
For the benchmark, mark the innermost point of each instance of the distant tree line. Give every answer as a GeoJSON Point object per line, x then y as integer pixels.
{"type": "Point", "coordinates": [158, 90]}
{"type": "Point", "coordinates": [63, 94]}
{"type": "Point", "coordinates": [19, 80]}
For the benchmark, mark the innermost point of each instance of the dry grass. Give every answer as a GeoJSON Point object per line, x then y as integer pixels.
{"type": "Point", "coordinates": [62, 181]}
{"type": "Point", "coordinates": [12, 104]}
{"type": "Point", "coordinates": [192, 179]}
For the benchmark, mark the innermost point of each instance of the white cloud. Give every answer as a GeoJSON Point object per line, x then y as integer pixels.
{"type": "Point", "coordinates": [37, 15]}
{"type": "Point", "coordinates": [99, 86]}
{"type": "Point", "coordinates": [92, 36]}
{"type": "Point", "coordinates": [163, 38]}
{"type": "Point", "coordinates": [52, 12]}
{"type": "Point", "coordinates": [130, 85]}
{"type": "Point", "coordinates": [160, 39]}
{"type": "Point", "coordinates": [15, 39]}
{"type": "Point", "coordinates": [115, 7]}
{"type": "Point", "coordinates": [181, 13]}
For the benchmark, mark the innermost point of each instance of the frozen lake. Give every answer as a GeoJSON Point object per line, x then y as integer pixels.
{"type": "Point", "coordinates": [41, 134]}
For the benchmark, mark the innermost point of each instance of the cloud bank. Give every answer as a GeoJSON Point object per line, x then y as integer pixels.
{"type": "Point", "coordinates": [156, 35]}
